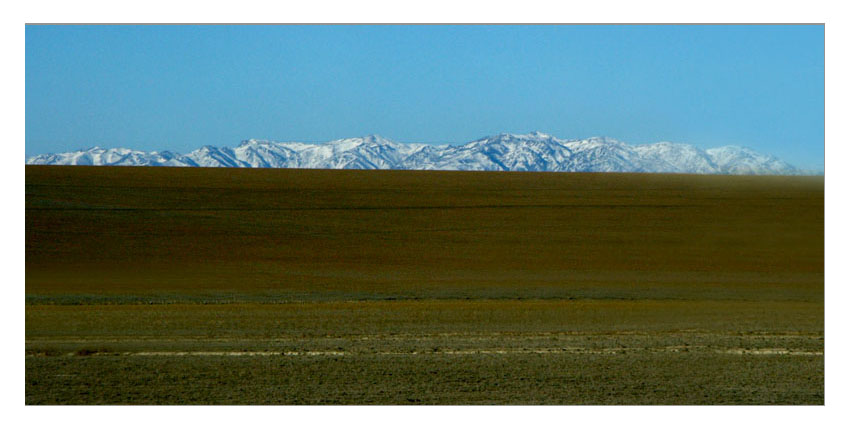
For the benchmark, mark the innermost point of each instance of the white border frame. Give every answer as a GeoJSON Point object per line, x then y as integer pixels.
{"type": "Point", "coordinates": [436, 11]}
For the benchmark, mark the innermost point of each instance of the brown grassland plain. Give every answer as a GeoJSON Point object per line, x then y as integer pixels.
{"type": "Point", "coordinates": [231, 286]}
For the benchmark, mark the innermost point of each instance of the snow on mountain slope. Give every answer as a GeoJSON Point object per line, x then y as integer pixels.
{"type": "Point", "coordinates": [742, 161]}
{"type": "Point", "coordinates": [507, 152]}
{"type": "Point", "coordinates": [97, 156]}
{"type": "Point", "coordinates": [604, 155]}
{"type": "Point", "coordinates": [524, 152]}
{"type": "Point", "coordinates": [676, 157]}
{"type": "Point", "coordinates": [210, 156]}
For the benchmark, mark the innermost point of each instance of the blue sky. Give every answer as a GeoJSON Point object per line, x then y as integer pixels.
{"type": "Point", "coordinates": [181, 87]}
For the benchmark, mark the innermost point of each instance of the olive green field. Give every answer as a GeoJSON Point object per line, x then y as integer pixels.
{"type": "Point", "coordinates": [157, 285]}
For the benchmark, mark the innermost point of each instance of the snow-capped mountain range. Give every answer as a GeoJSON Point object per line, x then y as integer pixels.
{"type": "Point", "coordinates": [508, 152]}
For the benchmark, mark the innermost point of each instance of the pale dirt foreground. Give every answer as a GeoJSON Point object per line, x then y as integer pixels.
{"type": "Point", "coordinates": [673, 349]}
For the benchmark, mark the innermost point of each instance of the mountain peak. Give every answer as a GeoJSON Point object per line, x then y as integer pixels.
{"type": "Point", "coordinates": [375, 138]}
{"type": "Point", "coordinates": [534, 135]}
{"type": "Point", "coordinates": [603, 140]}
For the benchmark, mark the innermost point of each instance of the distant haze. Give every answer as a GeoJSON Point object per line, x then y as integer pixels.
{"type": "Point", "coordinates": [178, 88]}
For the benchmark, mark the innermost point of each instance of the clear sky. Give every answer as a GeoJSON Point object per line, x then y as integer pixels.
{"type": "Point", "coordinates": [182, 87]}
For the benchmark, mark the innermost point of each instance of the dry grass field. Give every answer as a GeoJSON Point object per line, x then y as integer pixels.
{"type": "Point", "coordinates": [273, 286]}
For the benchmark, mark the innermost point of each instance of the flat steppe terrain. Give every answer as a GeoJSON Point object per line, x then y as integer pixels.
{"type": "Point", "coordinates": [149, 285]}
